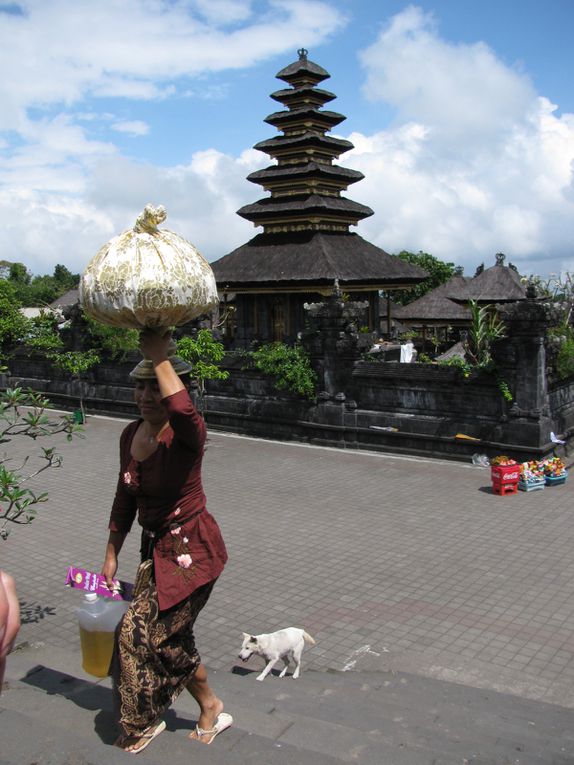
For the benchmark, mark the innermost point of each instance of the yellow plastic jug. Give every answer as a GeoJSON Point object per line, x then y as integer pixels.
{"type": "Point", "coordinates": [97, 618]}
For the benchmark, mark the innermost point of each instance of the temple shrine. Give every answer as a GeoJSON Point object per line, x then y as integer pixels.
{"type": "Point", "coordinates": [306, 245]}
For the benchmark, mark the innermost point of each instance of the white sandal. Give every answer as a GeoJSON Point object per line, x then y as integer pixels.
{"type": "Point", "coordinates": [223, 722]}
{"type": "Point", "coordinates": [146, 737]}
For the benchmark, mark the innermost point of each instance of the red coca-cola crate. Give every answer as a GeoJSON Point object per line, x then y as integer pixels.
{"type": "Point", "coordinates": [505, 473]}
{"type": "Point", "coordinates": [504, 488]}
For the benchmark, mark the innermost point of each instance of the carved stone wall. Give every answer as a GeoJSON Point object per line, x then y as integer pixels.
{"type": "Point", "coordinates": [389, 406]}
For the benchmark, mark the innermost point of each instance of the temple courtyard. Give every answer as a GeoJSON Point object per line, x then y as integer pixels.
{"type": "Point", "coordinates": [443, 613]}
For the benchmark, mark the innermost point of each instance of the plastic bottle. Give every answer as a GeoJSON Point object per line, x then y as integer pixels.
{"type": "Point", "coordinates": [97, 619]}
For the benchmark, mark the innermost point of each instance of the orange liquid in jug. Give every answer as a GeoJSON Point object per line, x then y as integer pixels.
{"type": "Point", "coordinates": [97, 650]}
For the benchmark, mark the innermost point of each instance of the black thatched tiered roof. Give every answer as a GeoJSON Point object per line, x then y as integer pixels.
{"type": "Point", "coordinates": [438, 304]}
{"type": "Point", "coordinates": [498, 284]}
{"type": "Point", "coordinates": [303, 148]}
{"type": "Point", "coordinates": [296, 260]}
{"type": "Point", "coordinates": [306, 243]}
{"type": "Point", "coordinates": [292, 179]}
{"type": "Point", "coordinates": [448, 303]}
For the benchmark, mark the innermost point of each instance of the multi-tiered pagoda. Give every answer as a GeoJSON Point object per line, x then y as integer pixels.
{"type": "Point", "coordinates": [306, 245]}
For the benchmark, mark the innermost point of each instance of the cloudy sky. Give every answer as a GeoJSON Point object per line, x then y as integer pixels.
{"type": "Point", "coordinates": [461, 113]}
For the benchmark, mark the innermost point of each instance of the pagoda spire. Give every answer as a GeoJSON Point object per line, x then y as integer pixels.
{"type": "Point", "coordinates": [305, 184]}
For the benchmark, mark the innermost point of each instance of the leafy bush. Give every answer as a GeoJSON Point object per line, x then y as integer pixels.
{"type": "Point", "coordinates": [13, 324]}
{"type": "Point", "coordinates": [204, 353]}
{"type": "Point", "coordinates": [558, 292]}
{"type": "Point", "coordinates": [459, 363]}
{"type": "Point", "coordinates": [565, 358]}
{"type": "Point", "coordinates": [75, 362]}
{"type": "Point", "coordinates": [290, 366]}
{"type": "Point", "coordinates": [466, 370]}
{"type": "Point", "coordinates": [485, 329]}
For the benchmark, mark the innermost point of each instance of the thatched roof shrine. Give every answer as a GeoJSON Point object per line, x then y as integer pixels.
{"type": "Point", "coordinates": [498, 284]}
{"type": "Point", "coordinates": [438, 305]}
{"type": "Point", "coordinates": [306, 239]}
{"type": "Point", "coordinates": [306, 243]}
{"type": "Point", "coordinates": [448, 303]}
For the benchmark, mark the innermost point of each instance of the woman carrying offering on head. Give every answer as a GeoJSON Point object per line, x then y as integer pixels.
{"type": "Point", "coordinates": [183, 553]}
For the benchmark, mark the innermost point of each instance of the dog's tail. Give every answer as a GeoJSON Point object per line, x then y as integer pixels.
{"type": "Point", "coordinates": [308, 639]}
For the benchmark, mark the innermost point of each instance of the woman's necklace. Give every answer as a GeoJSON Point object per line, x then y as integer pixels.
{"type": "Point", "coordinates": [153, 437]}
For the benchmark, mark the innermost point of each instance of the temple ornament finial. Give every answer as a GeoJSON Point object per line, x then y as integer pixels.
{"type": "Point", "coordinates": [531, 291]}
{"type": "Point", "coordinates": [302, 54]}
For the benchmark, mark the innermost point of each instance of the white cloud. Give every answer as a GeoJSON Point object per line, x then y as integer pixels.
{"type": "Point", "coordinates": [475, 162]}
{"type": "Point", "coordinates": [41, 228]}
{"type": "Point", "coordinates": [64, 186]}
{"type": "Point", "coordinates": [59, 52]}
{"type": "Point", "coordinates": [463, 91]}
{"type": "Point", "coordinates": [223, 12]}
{"type": "Point", "coordinates": [131, 127]}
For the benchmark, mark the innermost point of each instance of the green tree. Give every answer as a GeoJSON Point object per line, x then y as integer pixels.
{"type": "Point", "coordinates": [438, 271]}
{"type": "Point", "coordinates": [76, 363]}
{"type": "Point", "coordinates": [64, 278]}
{"type": "Point", "coordinates": [558, 293]}
{"type": "Point", "coordinates": [42, 291]}
{"type": "Point", "coordinates": [19, 274]}
{"type": "Point", "coordinates": [111, 342]}
{"type": "Point", "coordinates": [204, 354]}
{"type": "Point", "coordinates": [565, 357]}
{"type": "Point", "coordinates": [43, 336]}
{"type": "Point", "coordinates": [45, 289]}
{"type": "Point", "coordinates": [13, 324]}
{"type": "Point", "coordinates": [39, 290]}
{"type": "Point", "coordinates": [23, 414]}
{"type": "Point", "coordinates": [485, 329]}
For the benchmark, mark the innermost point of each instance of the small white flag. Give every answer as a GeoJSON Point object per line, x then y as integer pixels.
{"type": "Point", "coordinates": [555, 440]}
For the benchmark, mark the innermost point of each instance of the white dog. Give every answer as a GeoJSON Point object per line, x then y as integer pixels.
{"type": "Point", "coordinates": [284, 644]}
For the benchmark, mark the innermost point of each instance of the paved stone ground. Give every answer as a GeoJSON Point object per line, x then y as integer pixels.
{"type": "Point", "coordinates": [390, 563]}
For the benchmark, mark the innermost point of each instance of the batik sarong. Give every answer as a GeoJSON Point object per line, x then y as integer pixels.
{"type": "Point", "coordinates": [154, 657]}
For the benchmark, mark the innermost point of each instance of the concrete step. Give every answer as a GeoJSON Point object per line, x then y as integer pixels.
{"type": "Point", "coordinates": [417, 714]}
{"type": "Point", "coordinates": [72, 717]}
{"type": "Point", "coordinates": [51, 709]}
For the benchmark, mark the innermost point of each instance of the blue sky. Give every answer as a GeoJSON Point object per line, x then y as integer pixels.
{"type": "Point", "coordinates": [461, 112]}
